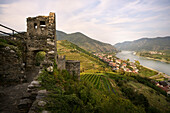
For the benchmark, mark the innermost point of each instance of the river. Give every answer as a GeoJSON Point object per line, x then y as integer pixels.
{"type": "Point", "coordinates": [157, 65]}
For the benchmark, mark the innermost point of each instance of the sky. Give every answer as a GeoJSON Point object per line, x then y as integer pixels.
{"type": "Point", "coordinates": [109, 21]}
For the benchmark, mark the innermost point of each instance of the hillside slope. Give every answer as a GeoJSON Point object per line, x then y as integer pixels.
{"type": "Point", "coordinates": [99, 91]}
{"type": "Point", "coordinates": [88, 62]}
{"type": "Point", "coordinates": [86, 42]}
{"type": "Point", "coordinates": [151, 44]}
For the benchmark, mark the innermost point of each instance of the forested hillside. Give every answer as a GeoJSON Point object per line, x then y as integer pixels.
{"type": "Point", "coordinates": [86, 42]}
{"type": "Point", "coordinates": [151, 44]}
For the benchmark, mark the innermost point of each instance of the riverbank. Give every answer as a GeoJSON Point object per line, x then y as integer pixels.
{"type": "Point", "coordinates": [159, 73]}
{"type": "Point", "coordinates": [138, 54]}
{"type": "Point", "coordinates": [157, 65]}
{"type": "Point", "coordinates": [156, 59]}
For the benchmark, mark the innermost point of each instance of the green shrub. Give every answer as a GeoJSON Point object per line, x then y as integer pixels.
{"type": "Point", "coordinates": [40, 56]}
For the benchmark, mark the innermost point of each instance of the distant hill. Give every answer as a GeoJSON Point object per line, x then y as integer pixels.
{"type": "Point", "coordinates": [86, 42]}
{"type": "Point", "coordinates": [154, 44]}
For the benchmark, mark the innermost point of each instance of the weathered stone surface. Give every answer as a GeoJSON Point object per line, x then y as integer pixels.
{"type": "Point", "coordinates": [50, 69]}
{"type": "Point", "coordinates": [42, 103]}
{"type": "Point", "coordinates": [51, 52]}
{"type": "Point", "coordinates": [40, 72]}
{"type": "Point", "coordinates": [61, 62]}
{"type": "Point", "coordinates": [41, 35]}
{"type": "Point", "coordinates": [44, 111]}
{"type": "Point", "coordinates": [12, 51]}
{"type": "Point", "coordinates": [11, 70]}
{"type": "Point", "coordinates": [31, 86]}
{"type": "Point", "coordinates": [26, 96]}
{"type": "Point", "coordinates": [30, 95]}
{"type": "Point", "coordinates": [35, 83]}
{"type": "Point", "coordinates": [2, 94]}
{"type": "Point", "coordinates": [24, 103]}
{"type": "Point", "coordinates": [29, 90]}
{"type": "Point", "coordinates": [40, 92]}
{"type": "Point", "coordinates": [73, 67]}
{"type": "Point", "coordinates": [7, 48]}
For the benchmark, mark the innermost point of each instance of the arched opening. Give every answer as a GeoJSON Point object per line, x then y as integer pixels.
{"type": "Point", "coordinates": [39, 56]}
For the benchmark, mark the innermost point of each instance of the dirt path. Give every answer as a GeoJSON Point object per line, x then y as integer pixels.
{"type": "Point", "coordinates": [155, 75]}
{"type": "Point", "coordinates": [11, 95]}
{"type": "Point", "coordinates": [160, 73]}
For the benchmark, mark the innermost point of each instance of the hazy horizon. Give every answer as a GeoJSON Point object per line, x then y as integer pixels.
{"type": "Point", "coordinates": [109, 21]}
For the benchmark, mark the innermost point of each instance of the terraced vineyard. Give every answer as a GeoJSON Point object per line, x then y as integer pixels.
{"type": "Point", "coordinates": [101, 82]}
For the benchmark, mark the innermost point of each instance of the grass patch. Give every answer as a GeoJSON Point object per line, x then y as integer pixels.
{"type": "Point", "coordinates": [145, 72]}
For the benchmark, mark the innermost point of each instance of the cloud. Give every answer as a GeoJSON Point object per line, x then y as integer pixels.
{"type": "Point", "coordinates": [109, 21]}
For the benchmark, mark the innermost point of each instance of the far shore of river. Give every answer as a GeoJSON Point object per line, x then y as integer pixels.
{"type": "Point", "coordinates": [153, 59]}
{"type": "Point", "coordinates": [165, 75]}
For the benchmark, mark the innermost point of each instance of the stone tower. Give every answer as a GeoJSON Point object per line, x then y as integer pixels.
{"type": "Point", "coordinates": [41, 36]}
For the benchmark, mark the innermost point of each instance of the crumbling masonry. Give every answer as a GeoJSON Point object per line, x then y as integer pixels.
{"type": "Point", "coordinates": [41, 36]}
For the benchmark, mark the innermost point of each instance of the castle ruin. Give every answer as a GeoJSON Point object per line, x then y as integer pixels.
{"type": "Point", "coordinates": [41, 36]}
{"type": "Point", "coordinates": [18, 60]}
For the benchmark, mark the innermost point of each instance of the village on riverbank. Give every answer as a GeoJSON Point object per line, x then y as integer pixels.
{"type": "Point", "coordinates": [118, 64]}
{"type": "Point", "coordinates": [132, 68]}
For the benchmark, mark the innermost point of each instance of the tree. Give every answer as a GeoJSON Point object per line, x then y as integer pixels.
{"type": "Point", "coordinates": [137, 62]}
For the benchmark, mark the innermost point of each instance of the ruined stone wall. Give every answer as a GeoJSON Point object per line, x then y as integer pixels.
{"type": "Point", "coordinates": [73, 67]}
{"type": "Point", "coordinates": [11, 66]}
{"type": "Point", "coordinates": [41, 36]}
{"type": "Point", "coordinates": [61, 62]}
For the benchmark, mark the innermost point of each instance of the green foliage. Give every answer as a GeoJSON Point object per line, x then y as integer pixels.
{"type": "Point", "coordinates": [98, 81]}
{"type": "Point", "coordinates": [69, 95]}
{"type": "Point", "coordinates": [89, 62]}
{"type": "Point", "coordinates": [75, 47]}
{"type": "Point", "coordinates": [137, 62]}
{"type": "Point", "coordinates": [58, 103]}
{"type": "Point", "coordinates": [48, 81]}
{"type": "Point", "coordinates": [136, 98]}
{"type": "Point", "coordinates": [40, 56]}
{"type": "Point", "coordinates": [165, 56]}
{"type": "Point", "coordinates": [14, 45]}
{"type": "Point", "coordinates": [3, 41]}
{"type": "Point", "coordinates": [148, 82]}
{"type": "Point", "coordinates": [145, 72]}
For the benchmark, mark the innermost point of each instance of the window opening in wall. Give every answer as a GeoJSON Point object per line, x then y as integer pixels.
{"type": "Point", "coordinates": [35, 25]}
{"type": "Point", "coordinates": [42, 23]}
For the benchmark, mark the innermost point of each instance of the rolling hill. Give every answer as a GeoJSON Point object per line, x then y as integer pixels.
{"type": "Point", "coordinates": [86, 42]}
{"type": "Point", "coordinates": [151, 44]}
